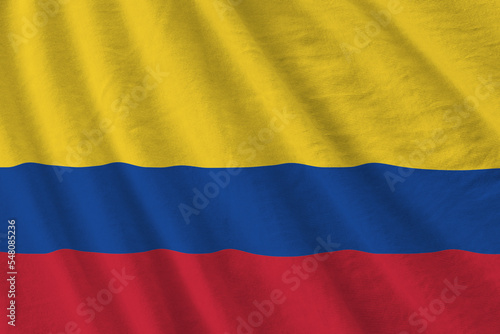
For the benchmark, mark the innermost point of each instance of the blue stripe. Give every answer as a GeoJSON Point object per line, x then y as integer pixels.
{"type": "Point", "coordinates": [273, 210]}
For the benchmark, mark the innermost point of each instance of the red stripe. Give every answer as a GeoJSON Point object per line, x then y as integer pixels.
{"type": "Point", "coordinates": [349, 292]}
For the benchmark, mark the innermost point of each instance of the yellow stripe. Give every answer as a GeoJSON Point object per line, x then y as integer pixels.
{"type": "Point", "coordinates": [251, 83]}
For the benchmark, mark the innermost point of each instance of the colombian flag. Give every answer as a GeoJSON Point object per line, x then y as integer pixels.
{"type": "Point", "coordinates": [245, 166]}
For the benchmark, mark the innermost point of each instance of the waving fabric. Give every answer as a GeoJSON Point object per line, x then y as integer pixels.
{"type": "Point", "coordinates": [242, 166]}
